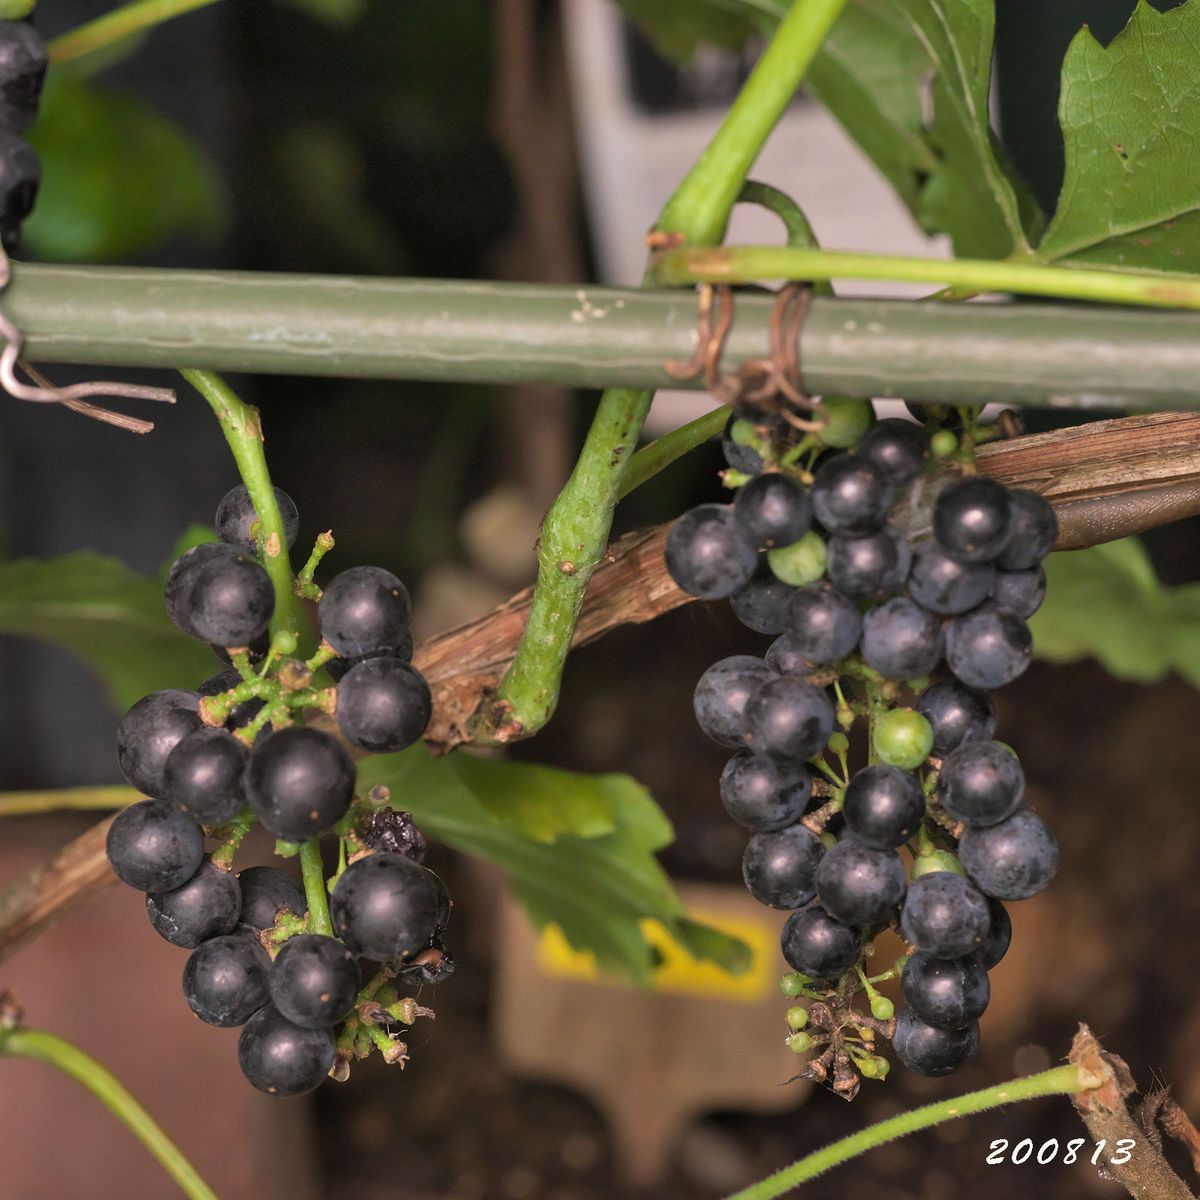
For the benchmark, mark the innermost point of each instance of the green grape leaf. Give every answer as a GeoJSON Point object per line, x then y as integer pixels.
{"type": "Point", "coordinates": [110, 616]}
{"type": "Point", "coordinates": [885, 63]}
{"type": "Point", "coordinates": [117, 178]}
{"type": "Point", "coordinates": [1107, 603]}
{"type": "Point", "coordinates": [869, 73]}
{"type": "Point", "coordinates": [1130, 116]}
{"type": "Point", "coordinates": [596, 889]}
{"type": "Point", "coordinates": [542, 802]}
{"type": "Point", "coordinates": [677, 27]}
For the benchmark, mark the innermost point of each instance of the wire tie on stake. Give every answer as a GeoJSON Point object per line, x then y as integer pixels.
{"type": "Point", "coordinates": [73, 396]}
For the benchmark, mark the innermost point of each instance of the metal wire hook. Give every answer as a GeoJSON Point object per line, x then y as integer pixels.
{"type": "Point", "coordinates": [73, 396]}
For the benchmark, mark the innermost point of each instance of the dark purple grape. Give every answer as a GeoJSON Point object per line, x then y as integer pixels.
{"type": "Point", "coordinates": [154, 848]}
{"type": "Point", "coordinates": [898, 448]}
{"type": "Point", "coordinates": [1012, 860]}
{"type": "Point", "coordinates": [226, 599]}
{"type": "Point", "coordinates": [763, 793]}
{"type": "Point", "coordinates": [773, 510]}
{"type": "Point", "coordinates": [20, 178]}
{"type": "Point", "coordinates": [948, 993]}
{"type": "Point", "coordinates": [788, 718]}
{"type": "Point", "coordinates": [944, 916]}
{"type": "Point", "coordinates": [779, 868]}
{"type": "Point", "coordinates": [858, 884]}
{"type": "Point", "coordinates": [281, 1058]}
{"type": "Point", "coordinates": [383, 704]}
{"type": "Point", "coordinates": [817, 945]}
{"type": "Point", "coordinates": [851, 495]}
{"type": "Point", "coordinates": [870, 567]}
{"type": "Point", "coordinates": [762, 604]}
{"type": "Point", "coordinates": [721, 695]}
{"type": "Point", "coordinates": [999, 935]}
{"type": "Point", "coordinates": [884, 806]}
{"type": "Point", "coordinates": [785, 659]}
{"type": "Point", "coordinates": [707, 554]}
{"type": "Point", "coordinates": [299, 781]}
{"type": "Point", "coordinates": [337, 667]}
{"type": "Point", "coordinates": [822, 624]}
{"type": "Point", "coordinates": [23, 62]}
{"type": "Point", "coordinates": [223, 681]}
{"type": "Point", "coordinates": [225, 979]}
{"type": "Point", "coordinates": [236, 516]}
{"type": "Point", "coordinates": [944, 585]}
{"type": "Point", "coordinates": [386, 907]}
{"type": "Point", "coordinates": [901, 640]}
{"type": "Point", "coordinates": [206, 906]}
{"type": "Point", "coordinates": [395, 833]}
{"type": "Point", "coordinates": [313, 980]}
{"type": "Point", "coordinates": [927, 1050]}
{"type": "Point", "coordinates": [148, 733]}
{"type": "Point", "coordinates": [266, 892]}
{"type": "Point", "coordinates": [957, 714]}
{"type": "Point", "coordinates": [1034, 531]}
{"type": "Point", "coordinates": [203, 776]}
{"type": "Point", "coordinates": [365, 610]}
{"type": "Point", "coordinates": [1021, 592]}
{"type": "Point", "coordinates": [989, 647]}
{"type": "Point", "coordinates": [981, 783]}
{"type": "Point", "coordinates": [972, 519]}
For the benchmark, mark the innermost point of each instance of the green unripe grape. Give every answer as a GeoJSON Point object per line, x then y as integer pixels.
{"type": "Point", "coordinates": [943, 444]}
{"type": "Point", "coordinates": [797, 1017]}
{"type": "Point", "coordinates": [1008, 748]}
{"type": "Point", "coordinates": [743, 432]}
{"type": "Point", "coordinates": [847, 421]}
{"type": "Point", "coordinates": [874, 1067]}
{"type": "Point", "coordinates": [799, 1042]}
{"type": "Point", "coordinates": [828, 841]}
{"type": "Point", "coordinates": [903, 738]}
{"type": "Point", "coordinates": [936, 860]}
{"type": "Point", "coordinates": [285, 642]}
{"type": "Point", "coordinates": [800, 563]}
{"type": "Point", "coordinates": [838, 743]}
{"type": "Point", "coordinates": [882, 1009]}
{"type": "Point", "coordinates": [793, 984]}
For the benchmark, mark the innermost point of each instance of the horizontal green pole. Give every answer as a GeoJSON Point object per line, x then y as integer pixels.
{"type": "Point", "coordinates": [1068, 355]}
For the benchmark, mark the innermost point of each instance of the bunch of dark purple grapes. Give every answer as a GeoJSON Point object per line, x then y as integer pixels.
{"type": "Point", "coordinates": [874, 566]}
{"type": "Point", "coordinates": [235, 751]}
{"type": "Point", "coordinates": [23, 63]}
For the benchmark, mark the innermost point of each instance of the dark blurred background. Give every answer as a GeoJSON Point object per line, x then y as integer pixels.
{"type": "Point", "coordinates": [436, 139]}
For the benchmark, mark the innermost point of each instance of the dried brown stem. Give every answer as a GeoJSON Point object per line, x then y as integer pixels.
{"type": "Point", "coordinates": [1106, 479]}
{"type": "Point", "coordinates": [1103, 1109]}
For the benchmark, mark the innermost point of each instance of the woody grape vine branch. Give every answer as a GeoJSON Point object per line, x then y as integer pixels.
{"type": "Point", "coordinates": [575, 532]}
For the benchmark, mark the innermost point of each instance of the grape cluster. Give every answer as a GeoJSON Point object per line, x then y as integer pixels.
{"type": "Point", "coordinates": [22, 71]}
{"type": "Point", "coordinates": [215, 760]}
{"type": "Point", "coordinates": [874, 554]}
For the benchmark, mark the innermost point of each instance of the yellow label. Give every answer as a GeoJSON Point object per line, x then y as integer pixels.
{"type": "Point", "coordinates": [678, 971]}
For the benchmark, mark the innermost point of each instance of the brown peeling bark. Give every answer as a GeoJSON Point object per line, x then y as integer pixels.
{"type": "Point", "coordinates": [75, 874]}
{"type": "Point", "coordinates": [1103, 1109]}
